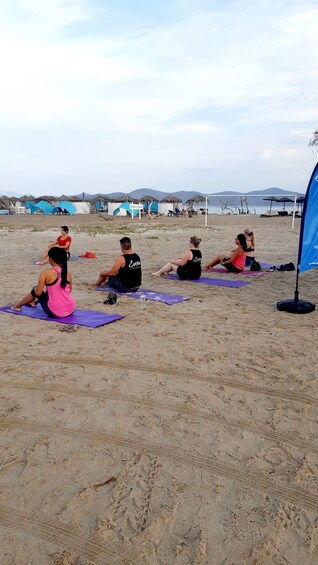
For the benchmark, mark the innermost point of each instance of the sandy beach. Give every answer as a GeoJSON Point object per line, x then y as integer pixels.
{"type": "Point", "coordinates": [178, 435]}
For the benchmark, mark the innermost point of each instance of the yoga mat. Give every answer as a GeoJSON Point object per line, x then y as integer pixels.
{"type": "Point", "coordinates": [169, 299]}
{"type": "Point", "coordinates": [269, 266]}
{"type": "Point", "coordinates": [76, 258]}
{"type": "Point", "coordinates": [213, 282]}
{"type": "Point", "coordinates": [226, 272]}
{"type": "Point", "coordinates": [87, 318]}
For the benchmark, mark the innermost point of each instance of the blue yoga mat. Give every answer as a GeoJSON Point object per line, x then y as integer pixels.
{"type": "Point", "coordinates": [76, 258]}
{"type": "Point", "coordinates": [169, 299]}
{"type": "Point", "coordinates": [87, 318]}
{"type": "Point", "coordinates": [212, 282]}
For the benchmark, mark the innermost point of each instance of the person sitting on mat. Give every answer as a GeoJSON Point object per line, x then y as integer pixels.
{"type": "Point", "coordinates": [188, 267]}
{"type": "Point", "coordinates": [250, 242]}
{"type": "Point", "coordinates": [236, 262]}
{"type": "Point", "coordinates": [63, 241]}
{"type": "Point", "coordinates": [125, 274]}
{"type": "Point", "coordinates": [56, 300]}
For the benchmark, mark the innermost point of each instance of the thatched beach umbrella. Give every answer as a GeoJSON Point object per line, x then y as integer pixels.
{"type": "Point", "coordinates": [64, 198]}
{"type": "Point", "coordinates": [171, 199]}
{"type": "Point", "coordinates": [26, 198]}
{"type": "Point", "coordinates": [6, 203]}
{"type": "Point", "coordinates": [196, 199]}
{"type": "Point", "coordinates": [126, 198]}
{"type": "Point", "coordinates": [148, 198]}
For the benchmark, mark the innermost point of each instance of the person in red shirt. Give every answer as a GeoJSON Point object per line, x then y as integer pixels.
{"type": "Point", "coordinates": [63, 241]}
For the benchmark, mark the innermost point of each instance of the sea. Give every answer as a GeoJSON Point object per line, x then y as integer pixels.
{"type": "Point", "coordinates": [252, 210]}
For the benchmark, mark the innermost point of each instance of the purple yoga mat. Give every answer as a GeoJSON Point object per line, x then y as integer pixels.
{"type": "Point", "coordinates": [269, 266]}
{"type": "Point", "coordinates": [87, 318]}
{"type": "Point", "coordinates": [169, 299]}
{"type": "Point", "coordinates": [213, 282]}
{"type": "Point", "coordinates": [226, 272]}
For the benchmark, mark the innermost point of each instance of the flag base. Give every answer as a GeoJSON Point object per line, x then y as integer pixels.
{"type": "Point", "coordinates": [296, 306]}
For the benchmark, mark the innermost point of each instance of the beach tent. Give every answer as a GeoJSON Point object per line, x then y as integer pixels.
{"type": "Point", "coordinates": [42, 205]}
{"type": "Point", "coordinates": [150, 204]}
{"type": "Point", "coordinates": [64, 206]}
{"type": "Point", "coordinates": [126, 206]}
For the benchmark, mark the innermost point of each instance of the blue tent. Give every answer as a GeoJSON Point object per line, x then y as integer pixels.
{"type": "Point", "coordinates": [66, 206]}
{"type": "Point", "coordinates": [153, 207]}
{"type": "Point", "coordinates": [126, 206]}
{"type": "Point", "coordinates": [42, 205]}
{"type": "Point", "coordinates": [29, 204]}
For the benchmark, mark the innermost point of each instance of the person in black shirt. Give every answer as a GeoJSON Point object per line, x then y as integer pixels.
{"type": "Point", "coordinates": [188, 267]}
{"type": "Point", "coordinates": [125, 274]}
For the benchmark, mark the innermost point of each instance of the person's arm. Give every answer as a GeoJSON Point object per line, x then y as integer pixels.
{"type": "Point", "coordinates": [41, 283]}
{"type": "Point", "coordinates": [186, 257]}
{"type": "Point", "coordinates": [120, 262]}
{"type": "Point", "coordinates": [234, 255]}
{"type": "Point", "coordinates": [69, 280]}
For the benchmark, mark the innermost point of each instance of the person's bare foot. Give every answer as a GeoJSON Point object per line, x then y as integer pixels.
{"type": "Point", "coordinates": [157, 274]}
{"type": "Point", "coordinates": [16, 308]}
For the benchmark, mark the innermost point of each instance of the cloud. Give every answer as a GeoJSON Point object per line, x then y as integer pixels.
{"type": "Point", "coordinates": [177, 83]}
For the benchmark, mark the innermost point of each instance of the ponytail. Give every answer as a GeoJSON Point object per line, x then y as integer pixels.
{"type": "Point", "coordinates": [58, 255]}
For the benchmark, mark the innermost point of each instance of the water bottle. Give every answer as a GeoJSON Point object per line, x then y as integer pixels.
{"type": "Point", "coordinates": [142, 300]}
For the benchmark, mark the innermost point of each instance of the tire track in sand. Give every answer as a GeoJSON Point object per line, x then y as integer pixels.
{"type": "Point", "coordinates": [180, 374]}
{"type": "Point", "coordinates": [99, 553]}
{"type": "Point", "coordinates": [209, 463]}
{"type": "Point", "coordinates": [179, 408]}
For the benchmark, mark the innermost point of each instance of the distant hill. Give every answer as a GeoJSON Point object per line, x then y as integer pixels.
{"type": "Point", "coordinates": [185, 195]}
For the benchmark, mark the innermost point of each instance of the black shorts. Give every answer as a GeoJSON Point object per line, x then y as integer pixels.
{"type": "Point", "coordinates": [43, 300]}
{"type": "Point", "coordinates": [115, 283]}
{"type": "Point", "coordinates": [231, 268]}
{"type": "Point", "coordinates": [186, 275]}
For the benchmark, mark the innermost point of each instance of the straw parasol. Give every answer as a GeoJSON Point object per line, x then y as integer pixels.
{"type": "Point", "coordinates": [126, 198]}
{"type": "Point", "coordinates": [171, 199]}
{"type": "Point", "coordinates": [196, 199]}
{"type": "Point", "coordinates": [148, 198]}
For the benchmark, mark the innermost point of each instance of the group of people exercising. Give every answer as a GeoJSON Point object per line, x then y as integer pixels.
{"type": "Point", "coordinates": [54, 288]}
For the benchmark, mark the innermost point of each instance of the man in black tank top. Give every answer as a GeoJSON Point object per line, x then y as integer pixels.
{"type": "Point", "coordinates": [125, 274]}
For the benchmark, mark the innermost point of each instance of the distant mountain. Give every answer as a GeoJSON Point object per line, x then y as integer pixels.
{"type": "Point", "coordinates": [185, 195]}
{"type": "Point", "coordinates": [141, 192]}
{"type": "Point", "coordinates": [9, 193]}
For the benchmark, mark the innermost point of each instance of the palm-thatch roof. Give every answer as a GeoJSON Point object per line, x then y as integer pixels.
{"type": "Point", "coordinates": [171, 199]}
{"type": "Point", "coordinates": [64, 198]}
{"type": "Point", "coordinates": [26, 198]}
{"type": "Point", "coordinates": [126, 198]}
{"type": "Point", "coordinates": [6, 202]}
{"type": "Point", "coordinates": [100, 197]}
{"type": "Point", "coordinates": [196, 199]}
{"type": "Point", "coordinates": [148, 198]}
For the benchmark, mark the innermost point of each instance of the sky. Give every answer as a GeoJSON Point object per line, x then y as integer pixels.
{"type": "Point", "coordinates": [101, 96]}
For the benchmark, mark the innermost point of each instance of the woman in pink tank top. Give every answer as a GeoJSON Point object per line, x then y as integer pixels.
{"type": "Point", "coordinates": [236, 261]}
{"type": "Point", "coordinates": [57, 300]}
